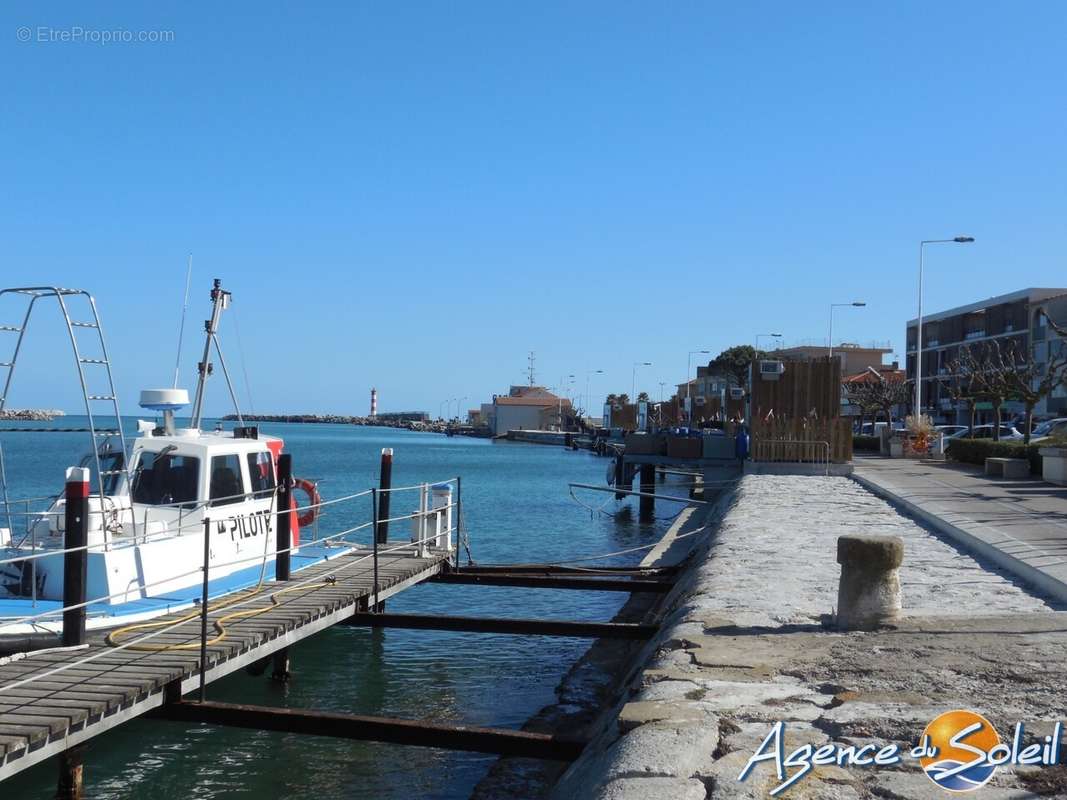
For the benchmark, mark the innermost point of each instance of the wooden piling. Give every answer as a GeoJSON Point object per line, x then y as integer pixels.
{"type": "Point", "coordinates": [385, 483]}
{"type": "Point", "coordinates": [284, 528]}
{"type": "Point", "coordinates": [647, 505]}
{"type": "Point", "coordinates": [71, 773]}
{"type": "Point", "coordinates": [76, 535]}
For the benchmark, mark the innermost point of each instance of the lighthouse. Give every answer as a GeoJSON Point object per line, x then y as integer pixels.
{"type": "Point", "coordinates": [374, 402]}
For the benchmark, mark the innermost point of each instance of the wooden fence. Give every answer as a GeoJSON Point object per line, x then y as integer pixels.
{"type": "Point", "coordinates": [801, 439]}
{"type": "Point", "coordinates": [807, 388]}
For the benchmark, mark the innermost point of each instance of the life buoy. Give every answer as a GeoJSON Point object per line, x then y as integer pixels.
{"type": "Point", "coordinates": [310, 488]}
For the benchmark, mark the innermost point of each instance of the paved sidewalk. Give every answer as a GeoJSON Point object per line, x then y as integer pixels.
{"type": "Point", "coordinates": [1018, 524]}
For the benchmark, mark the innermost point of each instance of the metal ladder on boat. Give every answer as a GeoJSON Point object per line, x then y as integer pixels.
{"type": "Point", "coordinates": [104, 394]}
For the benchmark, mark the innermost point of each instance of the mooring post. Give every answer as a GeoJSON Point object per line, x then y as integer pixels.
{"type": "Point", "coordinates": [75, 540]}
{"type": "Point", "coordinates": [647, 506]}
{"type": "Point", "coordinates": [284, 534]}
{"type": "Point", "coordinates": [385, 483]}
{"type": "Point", "coordinates": [71, 773]}
{"type": "Point", "coordinates": [283, 547]}
{"type": "Point", "coordinates": [868, 593]}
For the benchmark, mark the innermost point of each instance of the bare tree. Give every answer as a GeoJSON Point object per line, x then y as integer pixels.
{"type": "Point", "coordinates": [1031, 381]}
{"type": "Point", "coordinates": [961, 389]}
{"type": "Point", "coordinates": [988, 370]}
{"type": "Point", "coordinates": [879, 394]}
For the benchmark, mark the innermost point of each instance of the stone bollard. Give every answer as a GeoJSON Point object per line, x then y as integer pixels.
{"type": "Point", "coordinates": [869, 592]}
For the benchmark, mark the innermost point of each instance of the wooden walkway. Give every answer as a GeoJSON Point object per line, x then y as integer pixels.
{"type": "Point", "coordinates": [45, 716]}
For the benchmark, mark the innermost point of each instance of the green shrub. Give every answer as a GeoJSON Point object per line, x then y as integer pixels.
{"type": "Point", "coordinates": [866, 443]}
{"type": "Point", "coordinates": [976, 451]}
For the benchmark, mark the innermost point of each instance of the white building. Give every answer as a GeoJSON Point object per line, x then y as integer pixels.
{"type": "Point", "coordinates": [525, 408]}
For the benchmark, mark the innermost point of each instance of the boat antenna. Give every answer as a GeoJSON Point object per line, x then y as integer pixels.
{"type": "Point", "coordinates": [220, 299]}
{"type": "Point", "coordinates": [181, 327]}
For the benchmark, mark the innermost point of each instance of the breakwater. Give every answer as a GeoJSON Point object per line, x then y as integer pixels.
{"type": "Point", "coordinates": [30, 414]}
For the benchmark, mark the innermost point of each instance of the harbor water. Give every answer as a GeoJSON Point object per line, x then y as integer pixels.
{"type": "Point", "coordinates": [516, 508]}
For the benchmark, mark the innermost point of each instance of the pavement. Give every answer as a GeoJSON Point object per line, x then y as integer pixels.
{"type": "Point", "coordinates": [1020, 525]}
{"type": "Point", "coordinates": [746, 645]}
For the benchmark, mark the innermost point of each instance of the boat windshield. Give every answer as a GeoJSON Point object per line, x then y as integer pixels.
{"type": "Point", "coordinates": [166, 478]}
{"type": "Point", "coordinates": [111, 465]}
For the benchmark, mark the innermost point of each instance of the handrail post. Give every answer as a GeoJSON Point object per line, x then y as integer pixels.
{"type": "Point", "coordinates": [385, 483]}
{"type": "Point", "coordinates": [374, 519]}
{"type": "Point", "coordinates": [284, 533]}
{"type": "Point", "coordinates": [203, 612]}
{"type": "Point", "coordinates": [75, 541]}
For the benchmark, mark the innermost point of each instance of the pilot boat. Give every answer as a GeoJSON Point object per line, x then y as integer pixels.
{"type": "Point", "coordinates": [149, 506]}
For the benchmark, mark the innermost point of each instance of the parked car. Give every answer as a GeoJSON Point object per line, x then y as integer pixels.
{"type": "Point", "coordinates": [1053, 427]}
{"type": "Point", "coordinates": [871, 428]}
{"type": "Point", "coordinates": [986, 432]}
{"type": "Point", "coordinates": [949, 431]}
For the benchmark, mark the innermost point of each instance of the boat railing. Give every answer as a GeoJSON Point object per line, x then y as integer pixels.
{"type": "Point", "coordinates": [426, 537]}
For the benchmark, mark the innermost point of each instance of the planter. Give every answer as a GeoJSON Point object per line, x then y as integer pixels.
{"type": "Point", "coordinates": [683, 447]}
{"type": "Point", "coordinates": [1054, 465]}
{"type": "Point", "coordinates": [645, 444]}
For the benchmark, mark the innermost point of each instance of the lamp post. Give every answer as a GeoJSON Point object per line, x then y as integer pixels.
{"type": "Point", "coordinates": [856, 304]}
{"type": "Point", "coordinates": [440, 408]}
{"type": "Point", "coordinates": [562, 388]}
{"type": "Point", "coordinates": [835, 392]}
{"type": "Point", "coordinates": [688, 367]}
{"type": "Point", "coordinates": [919, 326]}
{"type": "Point", "coordinates": [772, 335]}
{"type": "Point", "coordinates": [458, 401]}
{"type": "Point", "coordinates": [589, 372]}
{"type": "Point", "coordinates": [633, 379]}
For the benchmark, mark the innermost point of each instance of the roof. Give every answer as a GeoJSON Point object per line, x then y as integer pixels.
{"type": "Point", "coordinates": [1032, 295]}
{"type": "Point", "coordinates": [541, 402]}
{"type": "Point", "coordinates": [891, 375]}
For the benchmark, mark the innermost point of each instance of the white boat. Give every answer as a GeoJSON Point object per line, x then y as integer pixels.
{"type": "Point", "coordinates": [147, 515]}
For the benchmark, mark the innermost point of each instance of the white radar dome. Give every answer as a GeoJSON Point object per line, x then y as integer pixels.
{"type": "Point", "coordinates": [164, 399]}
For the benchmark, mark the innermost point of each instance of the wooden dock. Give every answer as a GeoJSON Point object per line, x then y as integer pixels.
{"type": "Point", "coordinates": [53, 701]}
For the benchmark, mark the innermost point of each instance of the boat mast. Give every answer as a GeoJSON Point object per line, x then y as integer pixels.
{"type": "Point", "coordinates": [220, 299]}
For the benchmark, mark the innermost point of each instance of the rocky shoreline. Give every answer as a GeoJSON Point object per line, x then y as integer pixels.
{"type": "Point", "coordinates": [30, 414]}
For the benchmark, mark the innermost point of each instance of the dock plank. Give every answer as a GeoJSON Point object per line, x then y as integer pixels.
{"type": "Point", "coordinates": [54, 710]}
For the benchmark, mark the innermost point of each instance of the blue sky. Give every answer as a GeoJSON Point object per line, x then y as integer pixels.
{"type": "Point", "coordinates": [413, 196]}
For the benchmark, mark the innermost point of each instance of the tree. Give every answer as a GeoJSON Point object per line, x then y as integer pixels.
{"type": "Point", "coordinates": [642, 397]}
{"type": "Point", "coordinates": [987, 369]}
{"type": "Point", "coordinates": [961, 389]}
{"type": "Point", "coordinates": [1031, 381]}
{"type": "Point", "coordinates": [878, 394]}
{"type": "Point", "coordinates": [734, 362]}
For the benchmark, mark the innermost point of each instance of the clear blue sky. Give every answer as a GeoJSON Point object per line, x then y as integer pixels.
{"type": "Point", "coordinates": [414, 195]}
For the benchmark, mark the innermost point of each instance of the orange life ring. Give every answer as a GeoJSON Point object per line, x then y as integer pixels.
{"type": "Point", "coordinates": [310, 488]}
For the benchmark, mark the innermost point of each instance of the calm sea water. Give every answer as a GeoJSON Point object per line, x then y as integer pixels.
{"type": "Point", "coordinates": [517, 509]}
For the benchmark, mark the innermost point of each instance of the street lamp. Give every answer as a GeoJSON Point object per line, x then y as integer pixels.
{"type": "Point", "coordinates": [772, 335]}
{"type": "Point", "coordinates": [661, 385]}
{"type": "Point", "coordinates": [589, 372]}
{"type": "Point", "coordinates": [458, 401]}
{"type": "Point", "coordinates": [835, 392]}
{"type": "Point", "coordinates": [633, 379]}
{"type": "Point", "coordinates": [562, 388]}
{"type": "Point", "coordinates": [688, 367]}
{"type": "Point", "coordinates": [919, 326]}
{"type": "Point", "coordinates": [440, 408]}
{"type": "Point", "coordinates": [856, 304]}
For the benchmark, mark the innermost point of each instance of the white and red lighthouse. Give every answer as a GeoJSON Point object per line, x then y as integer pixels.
{"type": "Point", "coordinates": [374, 402]}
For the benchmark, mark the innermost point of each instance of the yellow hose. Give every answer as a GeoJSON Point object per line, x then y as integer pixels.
{"type": "Point", "coordinates": [113, 637]}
